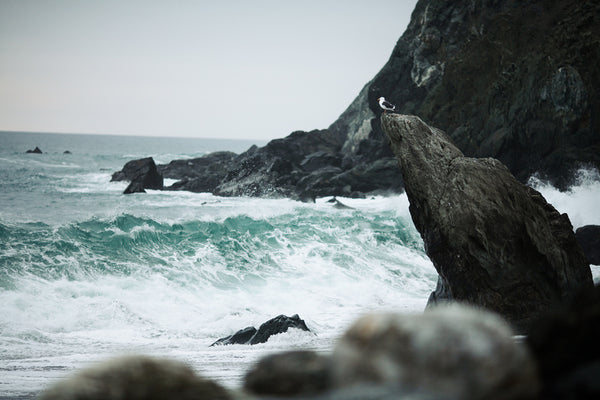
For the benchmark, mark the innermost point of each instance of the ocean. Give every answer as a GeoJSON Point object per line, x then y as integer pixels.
{"type": "Point", "coordinates": [87, 273]}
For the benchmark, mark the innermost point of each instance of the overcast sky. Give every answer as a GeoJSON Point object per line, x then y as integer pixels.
{"type": "Point", "coordinates": [224, 69]}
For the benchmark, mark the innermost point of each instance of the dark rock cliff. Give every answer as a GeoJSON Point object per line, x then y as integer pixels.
{"type": "Point", "coordinates": [516, 80]}
{"type": "Point", "coordinates": [495, 242]}
{"type": "Point", "coordinates": [513, 80]}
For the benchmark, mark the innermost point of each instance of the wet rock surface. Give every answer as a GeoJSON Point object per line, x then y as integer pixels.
{"type": "Point", "coordinates": [142, 173]}
{"type": "Point", "coordinates": [274, 326]}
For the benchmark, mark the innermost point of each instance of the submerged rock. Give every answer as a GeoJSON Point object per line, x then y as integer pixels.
{"type": "Point", "coordinates": [277, 325]}
{"type": "Point", "coordinates": [136, 378]}
{"type": "Point", "coordinates": [274, 326]}
{"type": "Point", "coordinates": [589, 238]}
{"type": "Point", "coordinates": [452, 352]}
{"type": "Point", "coordinates": [495, 242]}
{"type": "Point", "coordinates": [142, 174]}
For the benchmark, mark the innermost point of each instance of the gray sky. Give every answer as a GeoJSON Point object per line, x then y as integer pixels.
{"type": "Point", "coordinates": [224, 69]}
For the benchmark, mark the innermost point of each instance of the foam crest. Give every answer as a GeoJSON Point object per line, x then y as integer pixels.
{"type": "Point", "coordinates": [580, 202]}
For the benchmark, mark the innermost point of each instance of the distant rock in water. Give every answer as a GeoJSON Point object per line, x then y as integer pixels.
{"type": "Point", "coordinates": [34, 151]}
{"type": "Point", "coordinates": [495, 242]}
{"type": "Point", "coordinates": [274, 326]}
{"type": "Point", "coordinates": [67, 152]}
{"type": "Point", "coordinates": [142, 174]}
{"type": "Point", "coordinates": [589, 238]}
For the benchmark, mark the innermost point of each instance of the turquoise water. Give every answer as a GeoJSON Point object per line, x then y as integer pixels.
{"type": "Point", "coordinates": [87, 272]}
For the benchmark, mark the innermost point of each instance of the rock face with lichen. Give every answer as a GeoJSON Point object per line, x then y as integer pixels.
{"type": "Point", "coordinates": [495, 242]}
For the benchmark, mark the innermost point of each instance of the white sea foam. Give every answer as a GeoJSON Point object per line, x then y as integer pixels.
{"type": "Point", "coordinates": [326, 264]}
{"type": "Point", "coordinates": [581, 202]}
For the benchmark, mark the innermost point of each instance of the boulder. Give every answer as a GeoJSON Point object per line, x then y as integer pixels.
{"type": "Point", "coordinates": [142, 174]}
{"type": "Point", "coordinates": [136, 378]}
{"type": "Point", "coordinates": [201, 174]}
{"type": "Point", "coordinates": [495, 242]}
{"type": "Point", "coordinates": [589, 238]}
{"type": "Point", "coordinates": [136, 186]}
{"type": "Point", "coordinates": [564, 343]}
{"type": "Point", "coordinates": [274, 326]}
{"type": "Point", "coordinates": [451, 352]}
{"type": "Point", "coordinates": [291, 373]}
{"type": "Point", "coordinates": [277, 325]}
{"type": "Point", "coordinates": [242, 336]}
{"type": "Point", "coordinates": [34, 151]}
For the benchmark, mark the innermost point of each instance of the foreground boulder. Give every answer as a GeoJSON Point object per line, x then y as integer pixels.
{"type": "Point", "coordinates": [291, 373]}
{"type": "Point", "coordinates": [142, 174]}
{"type": "Point", "coordinates": [495, 242]}
{"type": "Point", "coordinates": [589, 238]}
{"type": "Point", "coordinates": [136, 378]}
{"type": "Point", "coordinates": [274, 326]}
{"type": "Point", "coordinates": [450, 352]}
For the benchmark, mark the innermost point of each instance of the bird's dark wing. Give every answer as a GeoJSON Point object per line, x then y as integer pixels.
{"type": "Point", "coordinates": [389, 105]}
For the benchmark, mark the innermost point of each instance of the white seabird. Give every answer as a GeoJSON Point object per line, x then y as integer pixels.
{"type": "Point", "coordinates": [386, 105]}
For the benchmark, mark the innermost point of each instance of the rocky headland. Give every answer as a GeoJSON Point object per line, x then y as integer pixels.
{"type": "Point", "coordinates": [494, 241]}
{"type": "Point", "coordinates": [512, 80]}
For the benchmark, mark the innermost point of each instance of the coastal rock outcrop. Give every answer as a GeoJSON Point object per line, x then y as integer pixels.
{"type": "Point", "coordinates": [201, 174]}
{"type": "Point", "coordinates": [495, 242]}
{"type": "Point", "coordinates": [515, 81]}
{"type": "Point", "coordinates": [510, 80]}
{"type": "Point", "coordinates": [142, 174]}
{"type": "Point", "coordinates": [274, 326]}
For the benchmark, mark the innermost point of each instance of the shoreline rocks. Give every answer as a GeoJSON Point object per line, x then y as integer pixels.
{"type": "Point", "coordinates": [495, 242]}
{"type": "Point", "coordinates": [142, 174]}
{"type": "Point", "coordinates": [251, 335]}
{"type": "Point", "coordinates": [452, 352]}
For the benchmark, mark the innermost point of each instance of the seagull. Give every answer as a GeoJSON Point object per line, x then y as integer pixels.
{"type": "Point", "coordinates": [386, 105]}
